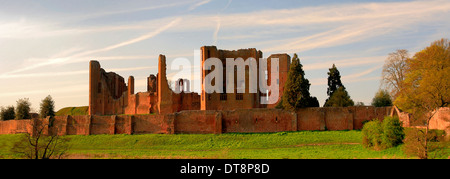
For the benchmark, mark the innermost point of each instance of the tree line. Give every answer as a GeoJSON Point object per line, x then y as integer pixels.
{"type": "Point", "coordinates": [296, 91]}
{"type": "Point", "coordinates": [23, 109]}
{"type": "Point", "coordinates": [418, 85]}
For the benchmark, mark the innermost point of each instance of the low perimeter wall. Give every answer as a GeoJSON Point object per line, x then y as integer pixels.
{"type": "Point", "coordinates": [207, 122]}
{"type": "Point", "coordinates": [216, 122]}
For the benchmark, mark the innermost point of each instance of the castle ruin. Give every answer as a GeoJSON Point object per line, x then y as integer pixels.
{"type": "Point", "coordinates": [110, 95]}
{"type": "Point", "coordinates": [179, 110]}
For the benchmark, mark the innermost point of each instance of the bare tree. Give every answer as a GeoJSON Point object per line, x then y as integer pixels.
{"type": "Point", "coordinates": [394, 71]}
{"type": "Point", "coordinates": [41, 145]}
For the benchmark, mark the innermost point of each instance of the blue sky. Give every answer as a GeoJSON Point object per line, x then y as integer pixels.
{"type": "Point", "coordinates": [45, 46]}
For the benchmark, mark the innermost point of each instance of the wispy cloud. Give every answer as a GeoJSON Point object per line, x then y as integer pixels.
{"type": "Point", "coordinates": [71, 73]}
{"type": "Point", "coordinates": [363, 73]}
{"type": "Point", "coordinates": [351, 78]}
{"type": "Point", "coordinates": [199, 4]}
{"type": "Point", "coordinates": [65, 89]}
{"type": "Point", "coordinates": [43, 74]}
{"type": "Point", "coordinates": [132, 68]}
{"type": "Point", "coordinates": [216, 32]}
{"type": "Point", "coordinates": [332, 25]}
{"type": "Point", "coordinates": [90, 52]}
{"type": "Point", "coordinates": [132, 41]}
{"type": "Point", "coordinates": [350, 62]}
{"type": "Point", "coordinates": [133, 10]}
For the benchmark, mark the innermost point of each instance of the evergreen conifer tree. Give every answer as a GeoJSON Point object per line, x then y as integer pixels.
{"type": "Point", "coordinates": [296, 91]}
{"type": "Point", "coordinates": [338, 95]}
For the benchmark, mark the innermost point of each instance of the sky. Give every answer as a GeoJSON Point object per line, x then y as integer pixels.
{"type": "Point", "coordinates": [46, 45]}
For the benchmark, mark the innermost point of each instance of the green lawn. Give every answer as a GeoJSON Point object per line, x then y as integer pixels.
{"type": "Point", "coordinates": [284, 145]}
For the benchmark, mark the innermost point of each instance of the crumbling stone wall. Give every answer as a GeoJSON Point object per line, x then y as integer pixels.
{"type": "Point", "coordinates": [258, 120]}
{"type": "Point", "coordinates": [15, 126]}
{"type": "Point", "coordinates": [198, 122]}
{"type": "Point", "coordinates": [216, 122]}
{"type": "Point", "coordinates": [233, 100]}
{"type": "Point", "coordinates": [75, 125]}
{"type": "Point", "coordinates": [110, 95]}
{"type": "Point", "coordinates": [441, 120]}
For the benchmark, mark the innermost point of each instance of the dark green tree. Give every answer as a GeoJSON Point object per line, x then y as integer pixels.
{"type": "Point", "coordinates": [337, 94]}
{"type": "Point", "coordinates": [296, 91]}
{"type": "Point", "coordinates": [334, 80]}
{"type": "Point", "coordinates": [339, 98]}
{"type": "Point", "coordinates": [47, 107]}
{"type": "Point", "coordinates": [381, 99]}
{"type": "Point", "coordinates": [7, 113]}
{"type": "Point", "coordinates": [23, 109]}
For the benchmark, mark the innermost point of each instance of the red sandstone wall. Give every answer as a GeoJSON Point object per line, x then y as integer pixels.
{"type": "Point", "coordinates": [156, 124]}
{"type": "Point", "coordinates": [363, 113]}
{"type": "Point", "coordinates": [77, 125]}
{"type": "Point", "coordinates": [143, 103]}
{"type": "Point", "coordinates": [310, 119]}
{"type": "Point", "coordinates": [338, 118]}
{"type": "Point", "coordinates": [15, 126]}
{"type": "Point", "coordinates": [441, 120]}
{"type": "Point", "coordinates": [200, 122]}
{"type": "Point", "coordinates": [102, 125]}
{"type": "Point", "coordinates": [123, 125]}
{"type": "Point", "coordinates": [258, 120]}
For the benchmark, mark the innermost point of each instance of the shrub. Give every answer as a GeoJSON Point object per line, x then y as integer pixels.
{"type": "Point", "coordinates": [415, 145]}
{"type": "Point", "coordinates": [371, 133]}
{"type": "Point", "coordinates": [392, 132]}
{"type": "Point", "coordinates": [381, 135]}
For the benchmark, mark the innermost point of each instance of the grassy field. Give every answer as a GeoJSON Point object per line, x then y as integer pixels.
{"type": "Point", "coordinates": [284, 145]}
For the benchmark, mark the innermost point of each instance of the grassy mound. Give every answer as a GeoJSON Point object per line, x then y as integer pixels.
{"type": "Point", "coordinates": [73, 111]}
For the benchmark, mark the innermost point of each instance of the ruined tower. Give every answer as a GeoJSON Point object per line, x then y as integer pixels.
{"type": "Point", "coordinates": [106, 91]}
{"type": "Point", "coordinates": [284, 65]}
{"type": "Point", "coordinates": [130, 85]}
{"type": "Point", "coordinates": [165, 102]}
{"type": "Point", "coordinates": [230, 100]}
{"type": "Point", "coordinates": [95, 87]}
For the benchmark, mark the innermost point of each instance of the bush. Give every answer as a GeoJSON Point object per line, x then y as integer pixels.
{"type": "Point", "coordinates": [413, 143]}
{"type": "Point", "coordinates": [415, 140]}
{"type": "Point", "coordinates": [381, 135]}
{"type": "Point", "coordinates": [371, 133]}
{"type": "Point", "coordinates": [392, 132]}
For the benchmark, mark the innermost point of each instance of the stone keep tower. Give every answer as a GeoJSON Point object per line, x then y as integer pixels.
{"type": "Point", "coordinates": [230, 100]}
{"type": "Point", "coordinates": [233, 100]}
